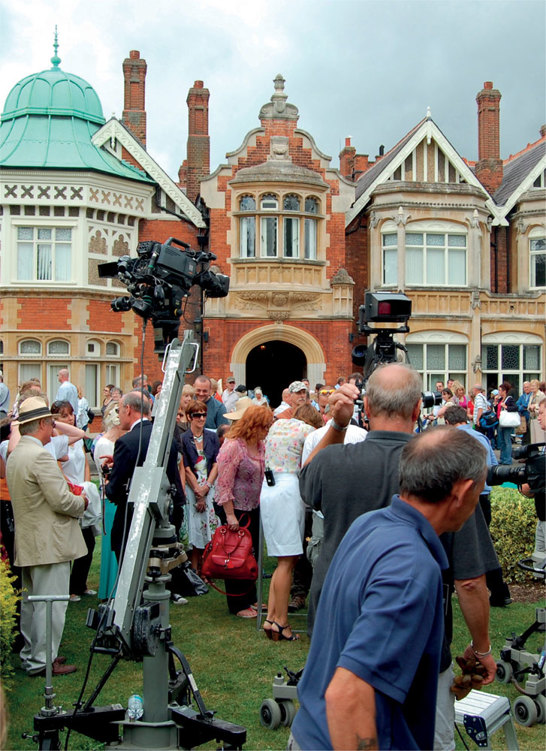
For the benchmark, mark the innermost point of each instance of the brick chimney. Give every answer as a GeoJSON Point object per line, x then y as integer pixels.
{"type": "Point", "coordinates": [134, 106]}
{"type": "Point", "coordinates": [347, 159]}
{"type": "Point", "coordinates": [489, 170]}
{"type": "Point", "coordinates": [197, 165]}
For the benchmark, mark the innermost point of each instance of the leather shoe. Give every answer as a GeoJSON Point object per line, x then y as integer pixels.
{"type": "Point", "coordinates": [59, 660]}
{"type": "Point", "coordinates": [59, 669]}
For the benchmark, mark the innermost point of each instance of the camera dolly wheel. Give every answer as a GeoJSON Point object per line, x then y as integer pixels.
{"type": "Point", "coordinates": [505, 671]}
{"type": "Point", "coordinates": [288, 712]}
{"type": "Point", "coordinates": [540, 701]}
{"type": "Point", "coordinates": [270, 714]}
{"type": "Point", "coordinates": [525, 711]}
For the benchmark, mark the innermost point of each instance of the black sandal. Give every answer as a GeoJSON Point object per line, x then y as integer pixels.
{"type": "Point", "coordinates": [268, 631]}
{"type": "Point", "coordinates": [279, 636]}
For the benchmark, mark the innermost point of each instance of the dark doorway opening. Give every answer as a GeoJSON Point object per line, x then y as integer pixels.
{"type": "Point", "coordinates": [273, 365]}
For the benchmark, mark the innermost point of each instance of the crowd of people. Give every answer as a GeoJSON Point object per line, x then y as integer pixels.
{"type": "Point", "coordinates": [375, 511]}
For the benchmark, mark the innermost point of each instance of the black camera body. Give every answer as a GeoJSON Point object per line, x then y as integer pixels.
{"type": "Point", "coordinates": [532, 471]}
{"type": "Point", "coordinates": [158, 280]}
{"type": "Point", "coordinates": [381, 307]}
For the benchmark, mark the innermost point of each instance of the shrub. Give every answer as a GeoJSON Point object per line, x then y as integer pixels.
{"type": "Point", "coordinates": [513, 524]}
{"type": "Point", "coordinates": [8, 603]}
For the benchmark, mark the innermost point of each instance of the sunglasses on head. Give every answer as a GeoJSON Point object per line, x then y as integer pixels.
{"type": "Point", "coordinates": [198, 414]}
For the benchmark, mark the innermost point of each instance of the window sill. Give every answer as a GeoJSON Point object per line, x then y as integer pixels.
{"type": "Point", "coordinates": [269, 259]}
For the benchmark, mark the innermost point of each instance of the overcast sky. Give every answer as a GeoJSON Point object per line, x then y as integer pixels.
{"type": "Point", "coordinates": [364, 68]}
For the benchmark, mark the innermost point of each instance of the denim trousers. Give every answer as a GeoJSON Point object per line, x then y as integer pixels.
{"type": "Point", "coordinates": [504, 437]}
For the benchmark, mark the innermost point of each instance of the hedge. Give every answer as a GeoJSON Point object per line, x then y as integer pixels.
{"type": "Point", "coordinates": [513, 525]}
{"type": "Point", "coordinates": [8, 604]}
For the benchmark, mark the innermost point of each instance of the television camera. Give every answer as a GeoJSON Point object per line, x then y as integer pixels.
{"type": "Point", "coordinates": [384, 307]}
{"type": "Point", "coordinates": [134, 623]}
{"type": "Point", "coordinates": [532, 470]}
{"type": "Point", "coordinates": [159, 279]}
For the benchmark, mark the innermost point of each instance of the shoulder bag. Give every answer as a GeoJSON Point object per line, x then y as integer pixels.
{"type": "Point", "coordinates": [509, 419]}
{"type": "Point", "coordinates": [229, 555]}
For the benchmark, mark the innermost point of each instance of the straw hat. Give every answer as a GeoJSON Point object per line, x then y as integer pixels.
{"type": "Point", "coordinates": [31, 409]}
{"type": "Point", "coordinates": [240, 408]}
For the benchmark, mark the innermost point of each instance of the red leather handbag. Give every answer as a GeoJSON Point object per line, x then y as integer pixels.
{"type": "Point", "coordinates": [229, 555]}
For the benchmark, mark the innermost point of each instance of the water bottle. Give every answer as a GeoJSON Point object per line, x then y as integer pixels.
{"type": "Point", "coordinates": [135, 707]}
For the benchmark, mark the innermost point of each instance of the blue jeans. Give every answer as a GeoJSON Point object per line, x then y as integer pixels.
{"type": "Point", "coordinates": [505, 445]}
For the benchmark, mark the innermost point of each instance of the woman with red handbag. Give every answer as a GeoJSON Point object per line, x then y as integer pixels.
{"type": "Point", "coordinates": [240, 475]}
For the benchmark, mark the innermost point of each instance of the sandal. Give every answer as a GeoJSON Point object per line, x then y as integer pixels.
{"type": "Point", "coordinates": [268, 631]}
{"type": "Point", "coordinates": [279, 635]}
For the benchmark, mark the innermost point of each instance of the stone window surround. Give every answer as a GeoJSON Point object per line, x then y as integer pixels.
{"type": "Point", "coordinates": [402, 226]}
{"type": "Point", "coordinates": [280, 213]}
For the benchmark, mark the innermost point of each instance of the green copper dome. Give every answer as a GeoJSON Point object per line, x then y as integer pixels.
{"type": "Point", "coordinates": [53, 92]}
{"type": "Point", "coordinates": [49, 120]}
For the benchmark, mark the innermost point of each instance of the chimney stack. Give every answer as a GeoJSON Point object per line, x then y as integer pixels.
{"type": "Point", "coordinates": [347, 159]}
{"type": "Point", "coordinates": [489, 169]}
{"type": "Point", "coordinates": [134, 107]}
{"type": "Point", "coordinates": [197, 165]}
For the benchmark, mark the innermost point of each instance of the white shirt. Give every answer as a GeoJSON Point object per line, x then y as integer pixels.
{"type": "Point", "coordinates": [353, 434]}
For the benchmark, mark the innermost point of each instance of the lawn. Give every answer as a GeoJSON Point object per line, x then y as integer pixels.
{"type": "Point", "coordinates": [233, 664]}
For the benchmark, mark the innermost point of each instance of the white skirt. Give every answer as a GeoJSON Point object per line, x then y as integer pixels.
{"type": "Point", "coordinates": [283, 515]}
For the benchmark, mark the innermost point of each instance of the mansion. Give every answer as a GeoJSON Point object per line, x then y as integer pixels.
{"type": "Point", "coordinates": [300, 238]}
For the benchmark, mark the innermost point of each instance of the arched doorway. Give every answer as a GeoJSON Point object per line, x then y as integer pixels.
{"type": "Point", "coordinates": [273, 365]}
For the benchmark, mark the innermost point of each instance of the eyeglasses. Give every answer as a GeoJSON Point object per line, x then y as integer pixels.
{"type": "Point", "coordinates": [198, 415]}
{"type": "Point", "coordinates": [326, 392]}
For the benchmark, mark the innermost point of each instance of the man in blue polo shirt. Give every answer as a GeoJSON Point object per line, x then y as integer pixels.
{"type": "Point", "coordinates": [372, 671]}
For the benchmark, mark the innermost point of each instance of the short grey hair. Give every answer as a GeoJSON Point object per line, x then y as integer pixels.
{"type": "Point", "coordinates": [433, 461]}
{"type": "Point", "coordinates": [396, 399]}
{"type": "Point", "coordinates": [29, 428]}
{"type": "Point", "coordinates": [137, 400]}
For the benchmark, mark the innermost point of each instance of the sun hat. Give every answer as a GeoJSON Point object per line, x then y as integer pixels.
{"type": "Point", "coordinates": [33, 408]}
{"type": "Point", "coordinates": [240, 408]}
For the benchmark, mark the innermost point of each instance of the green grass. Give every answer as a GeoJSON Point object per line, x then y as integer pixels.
{"type": "Point", "coordinates": [233, 664]}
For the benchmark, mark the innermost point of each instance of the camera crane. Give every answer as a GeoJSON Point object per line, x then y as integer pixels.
{"type": "Point", "coordinates": [135, 625]}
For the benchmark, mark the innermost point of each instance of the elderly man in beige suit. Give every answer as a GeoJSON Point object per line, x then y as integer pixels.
{"type": "Point", "coordinates": [47, 533]}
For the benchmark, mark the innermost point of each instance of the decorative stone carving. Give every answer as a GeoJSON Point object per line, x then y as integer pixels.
{"type": "Point", "coordinates": [475, 221]}
{"type": "Point", "coordinates": [279, 148]}
{"type": "Point", "coordinates": [120, 246]}
{"type": "Point", "coordinates": [275, 302]}
{"type": "Point", "coordinates": [374, 219]}
{"type": "Point", "coordinates": [97, 243]}
{"type": "Point", "coordinates": [401, 218]}
{"type": "Point", "coordinates": [279, 315]}
{"type": "Point", "coordinates": [341, 277]}
{"type": "Point", "coordinates": [475, 299]}
{"type": "Point", "coordinates": [278, 108]}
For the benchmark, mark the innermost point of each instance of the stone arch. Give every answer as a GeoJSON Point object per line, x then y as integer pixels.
{"type": "Point", "coordinates": [309, 345]}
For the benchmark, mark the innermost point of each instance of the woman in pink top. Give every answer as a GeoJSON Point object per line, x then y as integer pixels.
{"type": "Point", "coordinates": [240, 476]}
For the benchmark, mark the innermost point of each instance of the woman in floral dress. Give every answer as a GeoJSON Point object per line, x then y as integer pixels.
{"type": "Point", "coordinates": [283, 512]}
{"type": "Point", "coordinates": [199, 471]}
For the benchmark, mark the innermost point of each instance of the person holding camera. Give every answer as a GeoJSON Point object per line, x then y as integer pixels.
{"type": "Point", "coordinates": [371, 676]}
{"type": "Point", "coordinates": [539, 496]}
{"type": "Point", "coordinates": [345, 481]}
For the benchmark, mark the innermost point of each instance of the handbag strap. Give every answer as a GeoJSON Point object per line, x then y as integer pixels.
{"type": "Point", "coordinates": [229, 594]}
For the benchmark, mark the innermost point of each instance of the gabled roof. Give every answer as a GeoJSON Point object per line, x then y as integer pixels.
{"type": "Point", "coordinates": [384, 169]}
{"type": "Point", "coordinates": [520, 172]}
{"type": "Point", "coordinates": [371, 175]}
{"type": "Point", "coordinates": [114, 131]}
